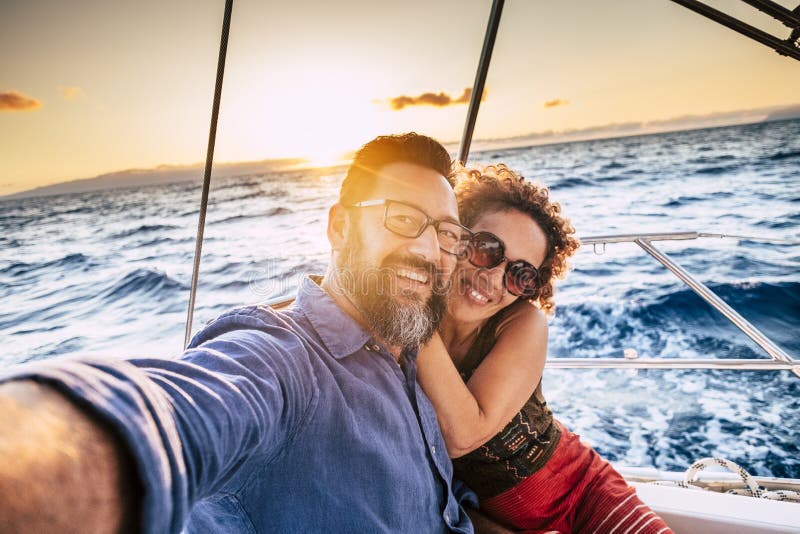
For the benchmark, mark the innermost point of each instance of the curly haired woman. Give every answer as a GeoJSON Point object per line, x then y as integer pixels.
{"type": "Point", "coordinates": [483, 370]}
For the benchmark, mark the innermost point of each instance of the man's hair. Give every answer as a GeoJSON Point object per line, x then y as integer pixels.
{"type": "Point", "coordinates": [386, 149]}
{"type": "Point", "coordinates": [496, 188]}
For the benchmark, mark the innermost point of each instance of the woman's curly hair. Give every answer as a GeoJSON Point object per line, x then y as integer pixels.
{"type": "Point", "coordinates": [496, 188]}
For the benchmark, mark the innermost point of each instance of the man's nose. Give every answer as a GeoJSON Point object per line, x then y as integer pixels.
{"type": "Point", "coordinates": [426, 246]}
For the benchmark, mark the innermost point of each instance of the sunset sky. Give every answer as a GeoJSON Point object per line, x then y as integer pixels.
{"type": "Point", "coordinates": [94, 86]}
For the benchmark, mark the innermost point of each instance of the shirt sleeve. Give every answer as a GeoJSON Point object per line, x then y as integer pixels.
{"type": "Point", "coordinates": [190, 423]}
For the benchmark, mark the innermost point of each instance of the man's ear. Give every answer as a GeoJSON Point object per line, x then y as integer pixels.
{"type": "Point", "coordinates": [339, 225]}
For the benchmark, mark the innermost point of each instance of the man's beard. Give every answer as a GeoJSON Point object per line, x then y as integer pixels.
{"type": "Point", "coordinates": [400, 318]}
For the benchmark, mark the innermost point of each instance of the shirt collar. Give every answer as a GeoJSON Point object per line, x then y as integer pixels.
{"type": "Point", "coordinates": [340, 333]}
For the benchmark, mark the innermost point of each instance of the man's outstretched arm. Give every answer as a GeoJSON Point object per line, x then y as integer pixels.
{"type": "Point", "coordinates": [60, 469]}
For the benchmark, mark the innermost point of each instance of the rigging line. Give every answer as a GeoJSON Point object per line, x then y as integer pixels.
{"type": "Point", "coordinates": [212, 136]}
{"type": "Point", "coordinates": [480, 79]}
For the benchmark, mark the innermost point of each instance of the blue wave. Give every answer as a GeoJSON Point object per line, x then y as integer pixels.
{"type": "Point", "coordinates": [246, 196]}
{"type": "Point", "coordinates": [10, 243]}
{"type": "Point", "coordinates": [777, 156]}
{"type": "Point", "coordinates": [613, 165]}
{"type": "Point", "coordinates": [716, 169]}
{"type": "Point", "coordinates": [712, 159]}
{"type": "Point", "coordinates": [774, 308]}
{"type": "Point", "coordinates": [142, 229]}
{"type": "Point", "coordinates": [143, 282]}
{"type": "Point", "coordinates": [776, 224]}
{"type": "Point", "coordinates": [70, 345]}
{"type": "Point", "coordinates": [233, 184]}
{"type": "Point", "coordinates": [20, 267]}
{"type": "Point", "coordinates": [681, 201]}
{"type": "Point", "coordinates": [279, 210]}
{"type": "Point", "coordinates": [599, 329]}
{"type": "Point", "coordinates": [571, 182]}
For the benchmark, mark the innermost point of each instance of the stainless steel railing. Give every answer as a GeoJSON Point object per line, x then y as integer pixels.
{"type": "Point", "coordinates": [738, 364]}
{"type": "Point", "coordinates": [645, 242]}
{"type": "Point", "coordinates": [779, 359]}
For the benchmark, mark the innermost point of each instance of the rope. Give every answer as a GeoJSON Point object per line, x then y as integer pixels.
{"type": "Point", "coordinates": [752, 488]}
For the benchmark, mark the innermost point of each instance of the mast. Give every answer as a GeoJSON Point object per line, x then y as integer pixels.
{"type": "Point", "coordinates": [480, 79]}
{"type": "Point", "coordinates": [212, 137]}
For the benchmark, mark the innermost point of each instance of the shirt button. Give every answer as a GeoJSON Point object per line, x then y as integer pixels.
{"type": "Point", "coordinates": [433, 449]}
{"type": "Point", "coordinates": [375, 348]}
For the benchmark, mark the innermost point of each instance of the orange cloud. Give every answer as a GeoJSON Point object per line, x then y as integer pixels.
{"type": "Point", "coordinates": [438, 100]}
{"type": "Point", "coordinates": [71, 93]}
{"type": "Point", "coordinates": [556, 102]}
{"type": "Point", "coordinates": [16, 101]}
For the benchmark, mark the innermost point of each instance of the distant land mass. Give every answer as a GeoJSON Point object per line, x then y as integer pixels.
{"type": "Point", "coordinates": [164, 174]}
{"type": "Point", "coordinates": [627, 129]}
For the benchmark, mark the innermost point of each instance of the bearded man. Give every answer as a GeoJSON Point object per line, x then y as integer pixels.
{"type": "Point", "coordinates": [303, 420]}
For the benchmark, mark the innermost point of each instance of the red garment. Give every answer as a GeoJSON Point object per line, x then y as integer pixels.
{"type": "Point", "coordinates": [575, 491]}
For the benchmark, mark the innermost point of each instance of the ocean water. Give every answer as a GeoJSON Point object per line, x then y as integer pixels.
{"type": "Point", "coordinates": [108, 273]}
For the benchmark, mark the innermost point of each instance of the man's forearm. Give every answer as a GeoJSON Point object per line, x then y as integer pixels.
{"type": "Point", "coordinates": [60, 469]}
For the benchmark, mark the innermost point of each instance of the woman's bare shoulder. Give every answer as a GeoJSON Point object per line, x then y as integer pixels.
{"type": "Point", "coordinates": [522, 315]}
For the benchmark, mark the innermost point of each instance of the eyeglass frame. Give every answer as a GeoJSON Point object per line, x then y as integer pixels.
{"type": "Point", "coordinates": [429, 221]}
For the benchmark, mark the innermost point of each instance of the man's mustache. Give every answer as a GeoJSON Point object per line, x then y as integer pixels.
{"type": "Point", "coordinates": [441, 284]}
{"type": "Point", "coordinates": [403, 260]}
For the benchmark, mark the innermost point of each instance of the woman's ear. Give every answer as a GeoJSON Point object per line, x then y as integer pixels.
{"type": "Point", "coordinates": [339, 225]}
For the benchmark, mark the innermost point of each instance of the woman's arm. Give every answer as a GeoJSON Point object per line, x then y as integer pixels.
{"type": "Point", "coordinates": [470, 414]}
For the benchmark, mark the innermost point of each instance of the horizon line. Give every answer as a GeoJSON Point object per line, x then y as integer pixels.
{"type": "Point", "coordinates": [531, 139]}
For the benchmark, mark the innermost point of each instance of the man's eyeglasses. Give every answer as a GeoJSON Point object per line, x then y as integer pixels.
{"type": "Point", "coordinates": [486, 250]}
{"type": "Point", "coordinates": [408, 220]}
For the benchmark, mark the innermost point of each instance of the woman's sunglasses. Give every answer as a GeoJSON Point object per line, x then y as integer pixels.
{"type": "Point", "coordinates": [487, 251]}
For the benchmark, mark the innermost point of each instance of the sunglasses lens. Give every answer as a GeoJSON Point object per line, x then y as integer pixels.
{"type": "Point", "coordinates": [521, 279]}
{"type": "Point", "coordinates": [485, 250]}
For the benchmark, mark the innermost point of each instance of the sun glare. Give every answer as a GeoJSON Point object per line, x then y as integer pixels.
{"type": "Point", "coordinates": [328, 158]}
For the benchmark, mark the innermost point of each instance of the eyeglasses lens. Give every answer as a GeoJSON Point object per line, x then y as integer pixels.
{"type": "Point", "coordinates": [404, 220]}
{"type": "Point", "coordinates": [521, 278]}
{"type": "Point", "coordinates": [409, 221]}
{"type": "Point", "coordinates": [485, 250]}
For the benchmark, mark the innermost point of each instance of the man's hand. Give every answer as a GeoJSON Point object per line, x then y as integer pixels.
{"type": "Point", "coordinates": [60, 469]}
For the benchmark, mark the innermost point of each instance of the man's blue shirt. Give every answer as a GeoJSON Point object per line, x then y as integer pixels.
{"type": "Point", "coordinates": [294, 421]}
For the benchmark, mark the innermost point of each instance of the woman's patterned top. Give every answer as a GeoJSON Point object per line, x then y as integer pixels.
{"type": "Point", "coordinates": [521, 448]}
